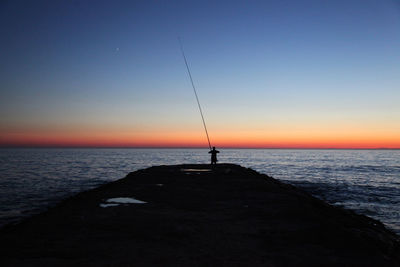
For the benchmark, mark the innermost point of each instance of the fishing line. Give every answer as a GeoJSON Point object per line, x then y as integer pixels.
{"type": "Point", "coordinates": [195, 93]}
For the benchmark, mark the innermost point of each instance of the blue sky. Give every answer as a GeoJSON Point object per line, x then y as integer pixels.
{"type": "Point", "coordinates": [259, 66]}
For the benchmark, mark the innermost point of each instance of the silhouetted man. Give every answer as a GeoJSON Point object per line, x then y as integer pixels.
{"type": "Point", "coordinates": [213, 155]}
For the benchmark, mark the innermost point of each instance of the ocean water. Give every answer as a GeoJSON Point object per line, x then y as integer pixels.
{"type": "Point", "coordinates": [366, 181]}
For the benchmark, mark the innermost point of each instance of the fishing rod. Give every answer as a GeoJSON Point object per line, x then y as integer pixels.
{"type": "Point", "coordinates": [195, 93]}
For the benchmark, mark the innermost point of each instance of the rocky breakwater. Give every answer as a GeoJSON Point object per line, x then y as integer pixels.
{"type": "Point", "coordinates": [192, 215]}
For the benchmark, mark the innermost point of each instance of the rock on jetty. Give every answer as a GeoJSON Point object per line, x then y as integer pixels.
{"type": "Point", "coordinates": [195, 215]}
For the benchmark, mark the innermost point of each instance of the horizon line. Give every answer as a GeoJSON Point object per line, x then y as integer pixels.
{"type": "Point", "coordinates": [195, 147]}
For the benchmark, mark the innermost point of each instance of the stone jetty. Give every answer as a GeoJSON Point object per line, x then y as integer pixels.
{"type": "Point", "coordinates": [195, 215]}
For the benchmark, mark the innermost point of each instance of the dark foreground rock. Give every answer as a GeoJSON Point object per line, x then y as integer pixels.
{"type": "Point", "coordinates": [230, 216]}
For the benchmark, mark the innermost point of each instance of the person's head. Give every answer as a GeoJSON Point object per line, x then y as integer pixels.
{"type": "Point", "coordinates": [213, 147]}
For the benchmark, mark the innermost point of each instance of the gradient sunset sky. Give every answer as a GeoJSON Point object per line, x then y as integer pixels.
{"type": "Point", "coordinates": [275, 74]}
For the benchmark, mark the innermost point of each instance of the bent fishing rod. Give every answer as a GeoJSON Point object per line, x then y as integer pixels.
{"type": "Point", "coordinates": [195, 93]}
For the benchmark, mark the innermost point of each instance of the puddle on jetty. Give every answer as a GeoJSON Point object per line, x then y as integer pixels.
{"type": "Point", "coordinates": [116, 201]}
{"type": "Point", "coordinates": [108, 205]}
{"type": "Point", "coordinates": [196, 170]}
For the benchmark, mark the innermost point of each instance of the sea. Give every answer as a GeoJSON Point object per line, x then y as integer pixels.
{"type": "Point", "coordinates": [365, 181]}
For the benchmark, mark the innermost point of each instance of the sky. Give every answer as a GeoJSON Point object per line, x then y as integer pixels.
{"type": "Point", "coordinates": [269, 74]}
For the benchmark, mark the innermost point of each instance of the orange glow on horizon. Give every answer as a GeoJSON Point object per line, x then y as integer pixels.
{"type": "Point", "coordinates": [197, 140]}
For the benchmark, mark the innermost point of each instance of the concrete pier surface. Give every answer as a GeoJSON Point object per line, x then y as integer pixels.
{"type": "Point", "coordinates": [195, 215]}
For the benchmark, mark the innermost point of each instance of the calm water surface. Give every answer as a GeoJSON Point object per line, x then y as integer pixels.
{"type": "Point", "coordinates": [367, 181]}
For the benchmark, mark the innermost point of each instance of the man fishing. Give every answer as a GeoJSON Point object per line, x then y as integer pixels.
{"type": "Point", "coordinates": [213, 156]}
{"type": "Point", "coordinates": [213, 151]}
